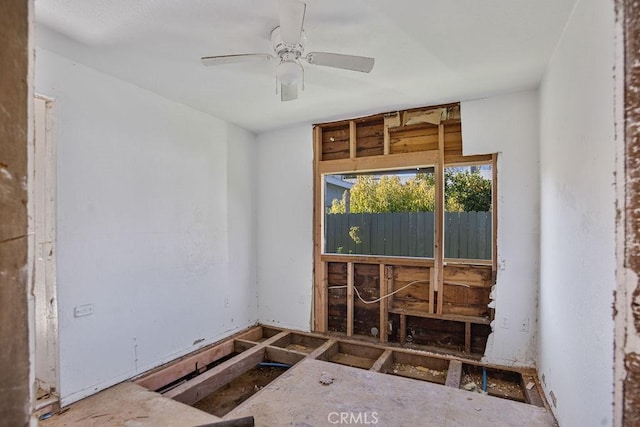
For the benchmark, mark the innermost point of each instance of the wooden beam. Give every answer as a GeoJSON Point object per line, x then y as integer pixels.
{"type": "Point", "coordinates": [324, 348]}
{"type": "Point", "coordinates": [240, 345]}
{"type": "Point", "coordinates": [329, 350]}
{"type": "Point", "coordinates": [188, 365]}
{"type": "Point", "coordinates": [208, 382]}
{"type": "Point", "coordinates": [317, 144]}
{"type": "Point", "coordinates": [386, 140]}
{"type": "Point", "coordinates": [460, 160]}
{"type": "Point", "coordinates": [432, 289]}
{"type": "Point", "coordinates": [439, 226]}
{"type": "Point", "coordinates": [454, 374]}
{"type": "Point", "coordinates": [379, 163]}
{"type": "Point", "coordinates": [205, 384]}
{"type": "Point", "coordinates": [367, 259]}
{"type": "Point", "coordinates": [349, 299]}
{"type": "Point", "coordinates": [282, 355]}
{"type": "Point", "coordinates": [319, 268]}
{"type": "Point", "coordinates": [467, 337]}
{"type": "Point", "coordinates": [465, 261]}
{"type": "Point", "coordinates": [451, 317]}
{"type": "Point", "coordinates": [390, 286]}
{"type": "Point", "coordinates": [384, 361]}
{"type": "Point", "coordinates": [403, 329]}
{"type": "Point", "coordinates": [531, 394]}
{"type": "Point", "coordinates": [352, 140]}
{"type": "Point", "coordinates": [384, 313]}
{"type": "Point", "coordinates": [253, 334]}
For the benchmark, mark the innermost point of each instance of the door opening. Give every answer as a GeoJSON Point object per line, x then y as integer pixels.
{"type": "Point", "coordinates": [44, 229]}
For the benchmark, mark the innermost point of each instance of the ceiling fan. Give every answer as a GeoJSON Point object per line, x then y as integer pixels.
{"type": "Point", "coordinates": [288, 45]}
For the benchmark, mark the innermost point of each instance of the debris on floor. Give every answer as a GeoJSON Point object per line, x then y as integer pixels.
{"type": "Point", "coordinates": [325, 378]}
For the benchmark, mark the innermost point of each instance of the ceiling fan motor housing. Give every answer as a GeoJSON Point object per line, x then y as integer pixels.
{"type": "Point", "coordinates": [285, 51]}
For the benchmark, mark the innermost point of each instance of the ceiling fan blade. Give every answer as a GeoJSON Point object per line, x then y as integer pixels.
{"type": "Point", "coordinates": [363, 64]}
{"type": "Point", "coordinates": [288, 92]}
{"type": "Point", "coordinates": [234, 59]}
{"type": "Point", "coordinates": [291, 20]}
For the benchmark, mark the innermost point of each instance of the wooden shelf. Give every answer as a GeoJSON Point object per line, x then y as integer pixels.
{"type": "Point", "coordinates": [452, 317]}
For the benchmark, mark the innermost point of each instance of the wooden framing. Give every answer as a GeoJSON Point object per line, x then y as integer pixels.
{"type": "Point", "coordinates": [420, 137]}
{"type": "Point", "coordinates": [263, 343]}
{"type": "Point", "coordinates": [378, 163]}
{"type": "Point", "coordinates": [439, 225]}
{"type": "Point", "coordinates": [320, 268]}
{"type": "Point", "coordinates": [384, 308]}
{"type": "Point", "coordinates": [349, 299]}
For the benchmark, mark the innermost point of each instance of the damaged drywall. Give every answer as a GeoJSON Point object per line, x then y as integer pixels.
{"type": "Point", "coordinates": [14, 100]}
{"type": "Point", "coordinates": [628, 228]}
{"type": "Point", "coordinates": [508, 125]}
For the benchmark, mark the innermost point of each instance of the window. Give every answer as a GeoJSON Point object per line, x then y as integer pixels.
{"type": "Point", "coordinates": [403, 229]}
{"type": "Point", "coordinates": [468, 226]}
{"type": "Point", "coordinates": [380, 213]}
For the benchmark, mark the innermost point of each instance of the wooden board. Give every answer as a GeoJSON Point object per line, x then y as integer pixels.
{"type": "Point", "coordinates": [454, 374]}
{"type": "Point", "coordinates": [370, 138]}
{"type": "Point", "coordinates": [383, 362]}
{"type": "Point", "coordinates": [129, 404]}
{"type": "Point", "coordinates": [298, 398]}
{"type": "Point", "coordinates": [384, 307]}
{"type": "Point", "coordinates": [208, 382]}
{"type": "Point", "coordinates": [335, 142]}
{"type": "Point", "coordinates": [189, 364]}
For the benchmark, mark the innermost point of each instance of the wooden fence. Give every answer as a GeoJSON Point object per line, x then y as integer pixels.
{"type": "Point", "coordinates": [467, 234]}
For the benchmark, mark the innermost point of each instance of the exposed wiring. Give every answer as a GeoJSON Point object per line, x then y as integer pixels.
{"type": "Point", "coordinates": [382, 297]}
{"type": "Point", "coordinates": [456, 284]}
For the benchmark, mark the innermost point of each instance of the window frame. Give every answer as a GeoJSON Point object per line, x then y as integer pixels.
{"type": "Point", "coordinates": [444, 155]}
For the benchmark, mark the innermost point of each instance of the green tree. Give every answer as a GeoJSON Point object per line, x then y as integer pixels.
{"type": "Point", "coordinates": [467, 191]}
{"type": "Point", "coordinates": [339, 206]}
{"type": "Point", "coordinates": [464, 191]}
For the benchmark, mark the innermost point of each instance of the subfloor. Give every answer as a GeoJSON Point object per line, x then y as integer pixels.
{"type": "Point", "coordinates": [356, 396]}
{"type": "Point", "coordinates": [297, 398]}
{"type": "Point", "coordinates": [129, 405]}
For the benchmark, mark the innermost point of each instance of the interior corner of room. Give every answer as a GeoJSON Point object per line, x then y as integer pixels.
{"type": "Point", "coordinates": [171, 231]}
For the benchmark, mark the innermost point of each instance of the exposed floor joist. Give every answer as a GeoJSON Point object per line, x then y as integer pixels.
{"type": "Point", "coordinates": [377, 371]}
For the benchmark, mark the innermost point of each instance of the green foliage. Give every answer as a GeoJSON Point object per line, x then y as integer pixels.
{"type": "Point", "coordinates": [464, 191]}
{"type": "Point", "coordinates": [468, 190]}
{"type": "Point", "coordinates": [339, 206]}
{"type": "Point", "coordinates": [389, 194]}
{"type": "Point", "coordinates": [354, 234]}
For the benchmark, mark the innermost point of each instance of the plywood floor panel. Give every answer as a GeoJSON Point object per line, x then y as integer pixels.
{"type": "Point", "coordinates": [297, 398]}
{"type": "Point", "coordinates": [129, 405]}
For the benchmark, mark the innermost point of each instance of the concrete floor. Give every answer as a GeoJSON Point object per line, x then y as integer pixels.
{"type": "Point", "coordinates": [297, 398]}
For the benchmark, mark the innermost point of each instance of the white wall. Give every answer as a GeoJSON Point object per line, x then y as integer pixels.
{"type": "Point", "coordinates": [577, 274]}
{"type": "Point", "coordinates": [508, 125]}
{"type": "Point", "coordinates": [285, 239]}
{"type": "Point", "coordinates": [152, 201]}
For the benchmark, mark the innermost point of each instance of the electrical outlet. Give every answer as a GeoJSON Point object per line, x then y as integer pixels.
{"type": "Point", "coordinates": [83, 310]}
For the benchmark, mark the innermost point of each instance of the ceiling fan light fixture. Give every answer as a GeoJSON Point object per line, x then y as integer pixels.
{"type": "Point", "coordinates": [289, 72]}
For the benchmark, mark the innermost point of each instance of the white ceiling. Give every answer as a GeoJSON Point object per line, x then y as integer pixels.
{"type": "Point", "coordinates": [426, 51]}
